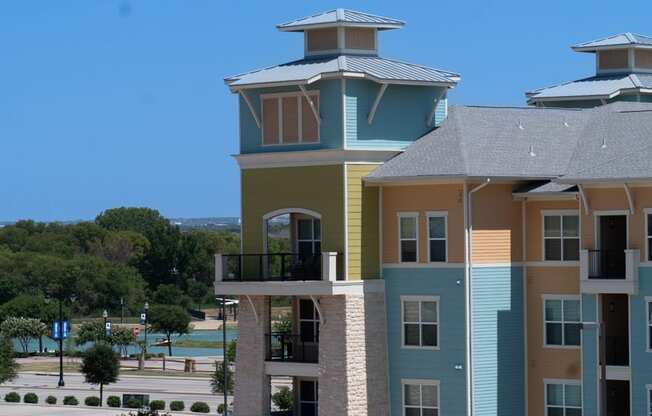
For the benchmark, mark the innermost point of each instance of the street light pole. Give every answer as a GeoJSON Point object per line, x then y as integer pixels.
{"type": "Point", "coordinates": [146, 316]}
{"type": "Point", "coordinates": [105, 315]}
{"type": "Point", "coordinates": [122, 310]}
{"type": "Point", "coordinates": [225, 362]}
{"type": "Point", "coordinates": [61, 383]}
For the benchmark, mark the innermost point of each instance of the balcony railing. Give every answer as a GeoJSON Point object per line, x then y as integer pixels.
{"type": "Point", "coordinates": [276, 267]}
{"type": "Point", "coordinates": [282, 346]}
{"type": "Point", "coordinates": [609, 271]}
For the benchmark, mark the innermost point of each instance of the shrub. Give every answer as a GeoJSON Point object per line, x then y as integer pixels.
{"type": "Point", "coordinates": [133, 403]}
{"type": "Point", "coordinates": [220, 409]}
{"type": "Point", "coordinates": [93, 401]}
{"type": "Point", "coordinates": [177, 405]}
{"type": "Point", "coordinates": [51, 400]}
{"type": "Point", "coordinates": [70, 401]}
{"type": "Point", "coordinates": [12, 397]}
{"type": "Point", "coordinates": [157, 405]}
{"type": "Point", "coordinates": [200, 407]}
{"type": "Point", "coordinates": [113, 401]}
{"type": "Point", "coordinates": [30, 398]}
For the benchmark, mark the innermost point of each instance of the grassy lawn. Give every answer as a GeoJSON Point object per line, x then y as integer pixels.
{"type": "Point", "coordinates": [49, 367]}
{"type": "Point", "coordinates": [197, 343]}
{"type": "Point", "coordinates": [73, 368]}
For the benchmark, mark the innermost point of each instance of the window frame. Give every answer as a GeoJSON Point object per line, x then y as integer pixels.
{"type": "Point", "coordinates": [648, 400]}
{"type": "Point", "coordinates": [437, 214]}
{"type": "Point", "coordinates": [401, 215]}
{"type": "Point", "coordinates": [564, 383]}
{"type": "Point", "coordinates": [562, 298]}
{"type": "Point", "coordinates": [316, 321]}
{"type": "Point", "coordinates": [312, 240]}
{"type": "Point", "coordinates": [647, 212]}
{"type": "Point", "coordinates": [279, 96]}
{"type": "Point", "coordinates": [648, 323]}
{"type": "Point", "coordinates": [420, 383]}
{"type": "Point", "coordinates": [561, 214]}
{"type": "Point", "coordinates": [316, 392]}
{"type": "Point", "coordinates": [420, 299]}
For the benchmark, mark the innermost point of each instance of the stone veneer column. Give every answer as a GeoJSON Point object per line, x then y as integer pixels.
{"type": "Point", "coordinates": [252, 389]}
{"type": "Point", "coordinates": [352, 356]}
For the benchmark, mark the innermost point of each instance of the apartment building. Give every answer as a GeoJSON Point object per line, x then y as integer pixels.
{"type": "Point", "coordinates": [442, 260]}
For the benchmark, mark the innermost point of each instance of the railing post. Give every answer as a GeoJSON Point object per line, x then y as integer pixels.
{"type": "Point", "coordinates": [584, 264]}
{"type": "Point", "coordinates": [329, 266]}
{"type": "Point", "coordinates": [219, 268]}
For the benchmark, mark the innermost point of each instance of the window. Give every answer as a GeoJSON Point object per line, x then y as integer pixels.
{"type": "Point", "coordinates": [437, 232]}
{"type": "Point", "coordinates": [563, 398]}
{"type": "Point", "coordinates": [289, 119]}
{"type": "Point", "coordinates": [648, 233]}
{"type": "Point", "coordinates": [308, 397]}
{"type": "Point", "coordinates": [420, 321]}
{"type": "Point", "coordinates": [649, 400]}
{"type": "Point", "coordinates": [420, 398]}
{"type": "Point", "coordinates": [562, 321]}
{"type": "Point", "coordinates": [408, 235]}
{"type": "Point", "coordinates": [308, 237]}
{"type": "Point", "coordinates": [308, 321]}
{"type": "Point", "coordinates": [561, 237]}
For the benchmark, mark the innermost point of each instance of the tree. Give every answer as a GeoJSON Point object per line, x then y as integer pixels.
{"type": "Point", "coordinates": [231, 351]}
{"type": "Point", "coordinates": [8, 365]}
{"type": "Point", "coordinates": [283, 399]}
{"type": "Point", "coordinates": [24, 329]}
{"type": "Point", "coordinates": [100, 366]}
{"type": "Point", "coordinates": [197, 291]}
{"type": "Point", "coordinates": [217, 378]}
{"type": "Point", "coordinates": [122, 247]}
{"type": "Point", "coordinates": [122, 337]}
{"type": "Point", "coordinates": [169, 295]}
{"type": "Point", "coordinates": [31, 306]}
{"type": "Point", "coordinates": [169, 319]}
{"type": "Point", "coordinates": [93, 331]}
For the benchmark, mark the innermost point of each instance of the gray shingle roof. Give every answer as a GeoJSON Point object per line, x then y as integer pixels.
{"type": "Point", "coordinates": [341, 17]}
{"type": "Point", "coordinates": [373, 67]}
{"type": "Point", "coordinates": [622, 39]}
{"type": "Point", "coordinates": [606, 143]}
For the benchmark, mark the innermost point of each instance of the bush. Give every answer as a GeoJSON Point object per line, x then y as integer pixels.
{"type": "Point", "coordinates": [220, 409]}
{"type": "Point", "coordinates": [283, 399]}
{"type": "Point", "coordinates": [93, 401]}
{"type": "Point", "coordinates": [177, 405]}
{"type": "Point", "coordinates": [133, 403]}
{"type": "Point", "coordinates": [70, 401]}
{"type": "Point", "coordinates": [200, 407]}
{"type": "Point", "coordinates": [51, 400]}
{"type": "Point", "coordinates": [30, 398]}
{"type": "Point", "coordinates": [157, 405]}
{"type": "Point", "coordinates": [12, 397]}
{"type": "Point", "coordinates": [113, 401]}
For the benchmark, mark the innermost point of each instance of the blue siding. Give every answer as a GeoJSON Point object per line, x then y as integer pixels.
{"type": "Point", "coordinates": [428, 364]}
{"type": "Point", "coordinates": [330, 103]}
{"type": "Point", "coordinates": [590, 356]}
{"type": "Point", "coordinates": [400, 119]}
{"type": "Point", "coordinates": [641, 360]}
{"type": "Point", "coordinates": [497, 350]}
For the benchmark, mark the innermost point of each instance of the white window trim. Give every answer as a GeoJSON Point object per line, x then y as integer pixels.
{"type": "Point", "coordinates": [280, 96]}
{"type": "Point", "coordinates": [646, 212]}
{"type": "Point", "coordinates": [570, 382]}
{"type": "Point", "coordinates": [648, 391]}
{"type": "Point", "coordinates": [437, 214]}
{"type": "Point", "coordinates": [414, 215]}
{"type": "Point", "coordinates": [312, 240]}
{"type": "Point", "coordinates": [648, 324]}
{"type": "Point", "coordinates": [561, 298]}
{"type": "Point", "coordinates": [422, 382]}
{"type": "Point", "coordinates": [560, 213]}
{"type": "Point", "coordinates": [315, 320]}
{"type": "Point", "coordinates": [411, 298]}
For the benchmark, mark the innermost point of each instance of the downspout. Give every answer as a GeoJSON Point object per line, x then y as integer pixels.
{"type": "Point", "coordinates": [525, 312]}
{"type": "Point", "coordinates": [468, 230]}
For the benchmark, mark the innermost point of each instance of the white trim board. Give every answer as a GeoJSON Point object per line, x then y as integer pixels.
{"type": "Point", "coordinates": [312, 158]}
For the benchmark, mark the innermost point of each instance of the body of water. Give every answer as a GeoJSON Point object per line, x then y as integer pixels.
{"type": "Point", "coordinates": [215, 336]}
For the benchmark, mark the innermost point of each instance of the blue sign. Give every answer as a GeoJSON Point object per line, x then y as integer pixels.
{"type": "Point", "coordinates": [65, 329]}
{"type": "Point", "coordinates": [107, 329]}
{"type": "Point", "coordinates": [58, 330]}
{"type": "Point", "coordinates": [143, 317]}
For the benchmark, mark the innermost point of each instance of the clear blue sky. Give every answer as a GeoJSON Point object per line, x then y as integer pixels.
{"type": "Point", "coordinates": [109, 103]}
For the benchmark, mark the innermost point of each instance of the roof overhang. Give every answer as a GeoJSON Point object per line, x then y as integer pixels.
{"type": "Point", "coordinates": [611, 181]}
{"type": "Point", "coordinates": [312, 157]}
{"type": "Point", "coordinates": [545, 196]}
{"type": "Point", "coordinates": [438, 180]}
{"type": "Point", "coordinates": [593, 49]}
{"type": "Point", "coordinates": [326, 25]}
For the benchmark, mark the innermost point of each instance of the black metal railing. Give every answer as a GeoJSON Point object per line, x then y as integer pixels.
{"type": "Point", "coordinates": [272, 267]}
{"type": "Point", "coordinates": [607, 264]}
{"type": "Point", "coordinates": [617, 350]}
{"type": "Point", "coordinates": [282, 346]}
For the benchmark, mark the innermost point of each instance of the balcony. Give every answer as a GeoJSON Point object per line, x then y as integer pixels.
{"type": "Point", "coordinates": [286, 347]}
{"type": "Point", "coordinates": [609, 271]}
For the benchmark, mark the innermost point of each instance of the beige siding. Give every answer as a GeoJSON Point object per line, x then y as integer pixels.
{"type": "Point", "coordinates": [357, 38]}
{"type": "Point", "coordinates": [270, 121]}
{"type": "Point", "coordinates": [615, 59]}
{"type": "Point", "coordinates": [309, 123]}
{"type": "Point", "coordinates": [362, 224]}
{"type": "Point", "coordinates": [290, 119]}
{"type": "Point", "coordinates": [322, 39]}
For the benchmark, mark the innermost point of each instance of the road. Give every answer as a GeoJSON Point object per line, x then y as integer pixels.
{"type": "Point", "coordinates": [188, 389]}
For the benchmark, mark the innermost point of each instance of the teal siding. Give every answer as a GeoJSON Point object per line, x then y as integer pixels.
{"type": "Point", "coordinates": [330, 109]}
{"type": "Point", "coordinates": [428, 364]}
{"type": "Point", "coordinates": [400, 119]}
{"type": "Point", "coordinates": [497, 346]}
{"type": "Point", "coordinates": [589, 356]}
{"type": "Point", "coordinates": [640, 360]}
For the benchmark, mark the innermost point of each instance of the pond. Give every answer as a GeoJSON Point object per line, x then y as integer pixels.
{"type": "Point", "coordinates": [198, 335]}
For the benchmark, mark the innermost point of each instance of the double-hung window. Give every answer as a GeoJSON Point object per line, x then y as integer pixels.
{"type": "Point", "coordinates": [308, 321]}
{"type": "Point", "coordinates": [563, 398]}
{"type": "Point", "coordinates": [289, 118]}
{"type": "Point", "coordinates": [561, 237]}
{"type": "Point", "coordinates": [648, 232]}
{"type": "Point", "coordinates": [437, 234]}
{"type": "Point", "coordinates": [562, 321]}
{"type": "Point", "coordinates": [420, 321]}
{"type": "Point", "coordinates": [308, 238]}
{"type": "Point", "coordinates": [408, 230]}
{"type": "Point", "coordinates": [420, 397]}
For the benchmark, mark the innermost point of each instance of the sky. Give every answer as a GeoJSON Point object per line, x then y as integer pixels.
{"type": "Point", "coordinates": [107, 103]}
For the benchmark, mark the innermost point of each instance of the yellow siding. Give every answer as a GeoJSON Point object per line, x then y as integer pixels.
{"type": "Point", "coordinates": [362, 224]}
